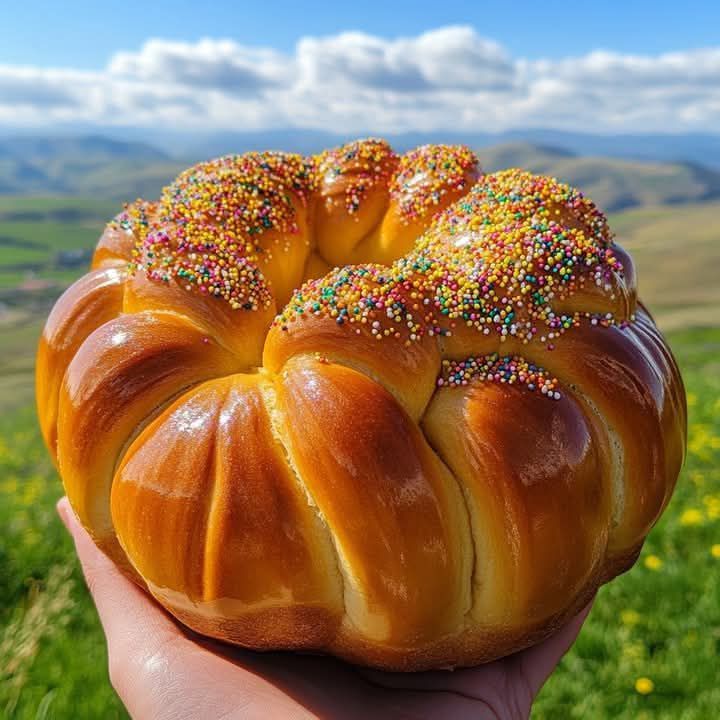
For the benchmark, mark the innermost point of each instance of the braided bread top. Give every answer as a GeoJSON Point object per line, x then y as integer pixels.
{"type": "Point", "coordinates": [376, 405]}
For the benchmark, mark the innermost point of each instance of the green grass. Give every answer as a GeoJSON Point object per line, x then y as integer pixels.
{"type": "Point", "coordinates": [49, 207]}
{"type": "Point", "coordinates": [52, 235]}
{"type": "Point", "coordinates": [52, 653]}
{"type": "Point", "coordinates": [663, 624]}
{"type": "Point", "coordinates": [18, 342]}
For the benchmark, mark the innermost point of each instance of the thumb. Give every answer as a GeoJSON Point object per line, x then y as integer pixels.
{"type": "Point", "coordinates": [118, 599]}
{"type": "Point", "coordinates": [156, 669]}
{"type": "Point", "coordinates": [135, 627]}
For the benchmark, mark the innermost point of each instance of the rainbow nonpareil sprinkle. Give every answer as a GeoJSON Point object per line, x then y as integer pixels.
{"type": "Point", "coordinates": [510, 249]}
{"type": "Point", "coordinates": [510, 370]}
{"type": "Point", "coordinates": [497, 262]}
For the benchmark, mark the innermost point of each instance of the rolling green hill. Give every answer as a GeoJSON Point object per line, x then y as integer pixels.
{"type": "Point", "coordinates": [122, 171]}
{"type": "Point", "coordinates": [48, 238]}
{"type": "Point", "coordinates": [677, 252]}
{"type": "Point", "coordinates": [612, 183]}
{"type": "Point", "coordinates": [93, 166]}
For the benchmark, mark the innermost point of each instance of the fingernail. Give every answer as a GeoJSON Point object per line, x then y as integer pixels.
{"type": "Point", "coordinates": [62, 511]}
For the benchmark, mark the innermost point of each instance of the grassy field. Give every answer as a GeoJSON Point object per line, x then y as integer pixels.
{"type": "Point", "coordinates": [35, 231]}
{"type": "Point", "coordinates": [656, 629]}
{"type": "Point", "coordinates": [677, 250]}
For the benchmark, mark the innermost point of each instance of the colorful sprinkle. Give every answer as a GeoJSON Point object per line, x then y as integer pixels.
{"type": "Point", "coordinates": [135, 218]}
{"type": "Point", "coordinates": [214, 219]}
{"type": "Point", "coordinates": [522, 196]}
{"type": "Point", "coordinates": [348, 173]}
{"type": "Point", "coordinates": [498, 260]}
{"type": "Point", "coordinates": [428, 173]}
{"type": "Point", "coordinates": [510, 370]}
{"type": "Point", "coordinates": [502, 272]}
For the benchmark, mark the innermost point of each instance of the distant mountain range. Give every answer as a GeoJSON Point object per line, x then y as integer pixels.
{"type": "Point", "coordinates": [703, 149]}
{"type": "Point", "coordinates": [91, 165]}
{"type": "Point", "coordinates": [102, 167]}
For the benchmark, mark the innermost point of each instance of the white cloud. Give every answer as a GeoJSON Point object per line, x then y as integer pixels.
{"type": "Point", "coordinates": [37, 88]}
{"type": "Point", "coordinates": [221, 64]}
{"type": "Point", "coordinates": [446, 79]}
{"type": "Point", "coordinates": [448, 58]}
{"type": "Point", "coordinates": [685, 69]}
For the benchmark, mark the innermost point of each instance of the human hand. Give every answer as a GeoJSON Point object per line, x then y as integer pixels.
{"type": "Point", "coordinates": [164, 671]}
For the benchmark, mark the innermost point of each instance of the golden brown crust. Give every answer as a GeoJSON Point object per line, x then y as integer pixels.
{"type": "Point", "coordinates": [93, 300]}
{"type": "Point", "coordinates": [206, 486]}
{"type": "Point", "coordinates": [410, 376]}
{"type": "Point", "coordinates": [528, 492]}
{"type": "Point", "coordinates": [395, 513]}
{"type": "Point", "coordinates": [242, 333]}
{"type": "Point", "coordinates": [432, 458]}
{"type": "Point", "coordinates": [353, 183]}
{"type": "Point", "coordinates": [121, 375]}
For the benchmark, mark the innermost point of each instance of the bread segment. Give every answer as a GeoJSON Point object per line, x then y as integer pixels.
{"type": "Point", "coordinates": [352, 197]}
{"type": "Point", "coordinates": [90, 302]}
{"type": "Point", "coordinates": [410, 375]}
{"type": "Point", "coordinates": [397, 516]}
{"type": "Point", "coordinates": [610, 367]}
{"type": "Point", "coordinates": [213, 519]}
{"type": "Point", "coordinates": [119, 378]}
{"type": "Point", "coordinates": [241, 333]}
{"type": "Point", "coordinates": [535, 484]}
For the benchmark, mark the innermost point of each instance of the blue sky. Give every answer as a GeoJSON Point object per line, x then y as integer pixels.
{"type": "Point", "coordinates": [632, 66]}
{"type": "Point", "coordinates": [81, 33]}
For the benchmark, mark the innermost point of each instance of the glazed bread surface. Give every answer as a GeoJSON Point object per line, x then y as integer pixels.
{"type": "Point", "coordinates": [384, 407]}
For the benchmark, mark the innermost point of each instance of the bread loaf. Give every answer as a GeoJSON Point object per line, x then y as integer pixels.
{"type": "Point", "coordinates": [385, 407]}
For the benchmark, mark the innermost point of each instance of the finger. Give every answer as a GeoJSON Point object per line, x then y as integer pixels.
{"type": "Point", "coordinates": [537, 663]}
{"type": "Point", "coordinates": [491, 681]}
{"type": "Point", "coordinates": [117, 599]}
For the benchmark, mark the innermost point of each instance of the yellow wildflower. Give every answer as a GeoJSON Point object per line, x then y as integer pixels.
{"type": "Point", "coordinates": [700, 441]}
{"type": "Point", "coordinates": [712, 506]}
{"type": "Point", "coordinates": [715, 551]}
{"type": "Point", "coordinates": [691, 516]}
{"type": "Point", "coordinates": [630, 617]}
{"type": "Point", "coordinates": [644, 685]}
{"type": "Point", "coordinates": [653, 562]}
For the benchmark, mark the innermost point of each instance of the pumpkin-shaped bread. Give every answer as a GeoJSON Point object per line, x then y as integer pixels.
{"type": "Point", "coordinates": [375, 405]}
